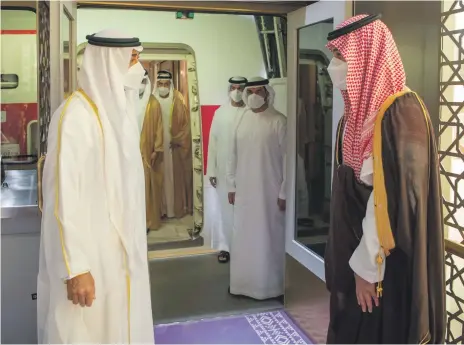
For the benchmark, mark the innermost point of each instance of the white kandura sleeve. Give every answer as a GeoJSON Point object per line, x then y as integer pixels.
{"type": "Point", "coordinates": [212, 149]}
{"type": "Point", "coordinates": [282, 135]}
{"type": "Point", "coordinates": [71, 200]}
{"type": "Point", "coordinates": [231, 167]}
{"type": "Point", "coordinates": [364, 259]}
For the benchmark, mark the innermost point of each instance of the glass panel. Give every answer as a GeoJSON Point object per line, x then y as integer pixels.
{"type": "Point", "coordinates": [314, 138]}
{"type": "Point", "coordinates": [19, 108]}
{"type": "Point", "coordinates": [9, 81]}
{"type": "Point", "coordinates": [66, 37]}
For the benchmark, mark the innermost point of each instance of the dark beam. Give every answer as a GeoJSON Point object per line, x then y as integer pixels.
{"type": "Point", "coordinates": [277, 8]}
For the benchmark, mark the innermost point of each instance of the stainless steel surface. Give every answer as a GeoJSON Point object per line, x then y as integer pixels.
{"type": "Point", "coordinates": [20, 266]}
{"type": "Point", "coordinates": [21, 189]}
{"type": "Point", "coordinates": [20, 220]}
{"type": "Point", "coordinates": [20, 236]}
{"type": "Point", "coordinates": [19, 212]}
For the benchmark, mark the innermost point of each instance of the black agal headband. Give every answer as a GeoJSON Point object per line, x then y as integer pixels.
{"type": "Point", "coordinates": [238, 80]}
{"type": "Point", "coordinates": [166, 75]}
{"type": "Point", "coordinates": [262, 82]}
{"type": "Point", "coordinates": [113, 42]}
{"type": "Point", "coordinates": [353, 26]}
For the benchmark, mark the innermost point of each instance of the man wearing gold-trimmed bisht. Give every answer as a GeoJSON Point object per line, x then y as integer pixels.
{"type": "Point", "coordinates": [177, 159]}
{"type": "Point", "coordinates": [151, 147]}
{"type": "Point", "coordinates": [384, 262]}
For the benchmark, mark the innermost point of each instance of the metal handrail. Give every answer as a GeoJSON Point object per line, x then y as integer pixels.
{"type": "Point", "coordinates": [16, 159]}
{"type": "Point", "coordinates": [454, 248]}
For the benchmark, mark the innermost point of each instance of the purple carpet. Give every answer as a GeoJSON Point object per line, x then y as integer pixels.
{"type": "Point", "coordinates": [273, 327]}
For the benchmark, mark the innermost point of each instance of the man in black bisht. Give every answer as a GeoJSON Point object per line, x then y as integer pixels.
{"type": "Point", "coordinates": [385, 255]}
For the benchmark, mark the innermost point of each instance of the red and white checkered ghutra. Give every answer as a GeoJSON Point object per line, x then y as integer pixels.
{"type": "Point", "coordinates": [375, 71]}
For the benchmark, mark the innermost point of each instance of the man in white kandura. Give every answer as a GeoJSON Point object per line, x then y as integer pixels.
{"type": "Point", "coordinates": [93, 283]}
{"type": "Point", "coordinates": [218, 155]}
{"type": "Point", "coordinates": [256, 182]}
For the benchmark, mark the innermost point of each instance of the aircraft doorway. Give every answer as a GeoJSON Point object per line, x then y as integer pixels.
{"type": "Point", "coordinates": [186, 279]}
{"type": "Point", "coordinates": [168, 230]}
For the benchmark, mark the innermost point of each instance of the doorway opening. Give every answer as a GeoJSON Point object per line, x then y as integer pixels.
{"type": "Point", "coordinates": [172, 229]}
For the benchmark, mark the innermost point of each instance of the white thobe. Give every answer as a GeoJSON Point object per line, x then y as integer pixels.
{"type": "Point", "coordinates": [78, 236]}
{"type": "Point", "coordinates": [256, 173]}
{"type": "Point", "coordinates": [133, 106]}
{"type": "Point", "coordinates": [364, 259]}
{"type": "Point", "coordinates": [168, 179]}
{"type": "Point", "coordinates": [218, 154]}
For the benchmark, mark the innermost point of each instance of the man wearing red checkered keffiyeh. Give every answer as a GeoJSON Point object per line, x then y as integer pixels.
{"type": "Point", "coordinates": [384, 258]}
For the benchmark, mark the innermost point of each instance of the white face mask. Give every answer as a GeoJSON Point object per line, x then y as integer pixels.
{"type": "Point", "coordinates": [236, 95]}
{"type": "Point", "coordinates": [163, 91]}
{"type": "Point", "coordinates": [134, 76]}
{"type": "Point", "coordinates": [255, 101]}
{"type": "Point", "coordinates": [338, 70]}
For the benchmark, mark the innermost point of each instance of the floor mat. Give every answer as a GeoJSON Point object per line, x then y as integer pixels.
{"type": "Point", "coordinates": [273, 327]}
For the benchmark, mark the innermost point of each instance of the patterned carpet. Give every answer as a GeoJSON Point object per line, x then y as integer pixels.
{"type": "Point", "coordinates": [273, 327]}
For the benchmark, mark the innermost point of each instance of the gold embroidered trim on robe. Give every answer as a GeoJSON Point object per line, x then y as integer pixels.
{"type": "Point", "coordinates": [151, 141]}
{"type": "Point", "coordinates": [56, 211]}
{"type": "Point", "coordinates": [57, 168]}
{"type": "Point", "coordinates": [382, 220]}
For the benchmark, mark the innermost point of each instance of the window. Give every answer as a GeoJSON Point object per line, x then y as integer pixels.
{"type": "Point", "coordinates": [9, 81]}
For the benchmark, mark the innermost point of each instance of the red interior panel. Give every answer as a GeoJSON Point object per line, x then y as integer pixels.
{"type": "Point", "coordinates": [207, 113]}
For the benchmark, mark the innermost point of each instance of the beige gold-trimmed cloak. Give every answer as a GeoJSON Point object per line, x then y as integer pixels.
{"type": "Point", "coordinates": [151, 144]}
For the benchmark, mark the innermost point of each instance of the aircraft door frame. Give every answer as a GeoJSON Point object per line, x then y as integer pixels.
{"type": "Point", "coordinates": [21, 221]}
{"type": "Point", "coordinates": [60, 12]}
{"type": "Point", "coordinates": [314, 13]}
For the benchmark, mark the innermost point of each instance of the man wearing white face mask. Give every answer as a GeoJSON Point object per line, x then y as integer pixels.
{"type": "Point", "coordinates": [218, 155]}
{"type": "Point", "coordinates": [151, 146]}
{"type": "Point", "coordinates": [177, 160]}
{"type": "Point", "coordinates": [256, 183]}
{"type": "Point", "coordinates": [93, 282]}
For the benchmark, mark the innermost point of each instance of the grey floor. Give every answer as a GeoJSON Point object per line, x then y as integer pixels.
{"type": "Point", "coordinates": [196, 287]}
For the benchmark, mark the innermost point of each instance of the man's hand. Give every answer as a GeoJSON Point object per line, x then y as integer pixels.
{"type": "Point", "coordinates": [365, 293]}
{"type": "Point", "coordinates": [81, 290]}
{"type": "Point", "coordinates": [232, 198]}
{"type": "Point", "coordinates": [282, 204]}
{"type": "Point", "coordinates": [153, 159]}
{"type": "Point", "coordinates": [213, 181]}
